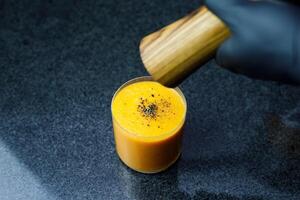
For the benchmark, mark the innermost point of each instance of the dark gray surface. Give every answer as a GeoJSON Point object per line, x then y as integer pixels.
{"type": "Point", "coordinates": [61, 62]}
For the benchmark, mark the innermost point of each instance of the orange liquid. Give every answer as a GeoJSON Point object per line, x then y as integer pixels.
{"type": "Point", "coordinates": [148, 120]}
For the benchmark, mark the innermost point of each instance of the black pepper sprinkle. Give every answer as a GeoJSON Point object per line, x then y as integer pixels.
{"type": "Point", "coordinates": [149, 108]}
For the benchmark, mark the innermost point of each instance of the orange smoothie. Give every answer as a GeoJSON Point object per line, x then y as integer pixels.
{"type": "Point", "coordinates": [148, 119]}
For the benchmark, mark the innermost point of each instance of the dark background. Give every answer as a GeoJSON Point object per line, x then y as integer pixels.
{"type": "Point", "coordinates": [61, 62]}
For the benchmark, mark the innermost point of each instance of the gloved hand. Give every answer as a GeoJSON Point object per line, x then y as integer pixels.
{"type": "Point", "coordinates": [265, 40]}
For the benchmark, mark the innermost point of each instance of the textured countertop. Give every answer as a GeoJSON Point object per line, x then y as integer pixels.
{"type": "Point", "coordinates": [61, 62]}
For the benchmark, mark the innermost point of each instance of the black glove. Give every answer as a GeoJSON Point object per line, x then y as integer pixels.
{"type": "Point", "coordinates": [265, 40]}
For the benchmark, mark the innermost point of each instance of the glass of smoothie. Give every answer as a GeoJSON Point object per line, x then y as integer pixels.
{"type": "Point", "coordinates": [148, 120]}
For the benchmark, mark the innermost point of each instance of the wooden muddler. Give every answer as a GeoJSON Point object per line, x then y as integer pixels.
{"type": "Point", "coordinates": [174, 52]}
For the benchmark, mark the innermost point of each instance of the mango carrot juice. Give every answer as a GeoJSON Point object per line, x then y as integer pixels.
{"type": "Point", "coordinates": [148, 119]}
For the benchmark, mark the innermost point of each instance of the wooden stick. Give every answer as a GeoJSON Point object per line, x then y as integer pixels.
{"type": "Point", "coordinates": [174, 52]}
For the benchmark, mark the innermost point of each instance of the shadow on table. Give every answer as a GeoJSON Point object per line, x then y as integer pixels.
{"type": "Point", "coordinates": [284, 136]}
{"type": "Point", "coordinates": [271, 155]}
{"type": "Point", "coordinates": [165, 186]}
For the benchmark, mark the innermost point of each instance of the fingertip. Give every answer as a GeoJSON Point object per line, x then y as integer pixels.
{"type": "Point", "coordinates": [211, 5]}
{"type": "Point", "coordinates": [226, 54]}
{"type": "Point", "coordinates": [229, 10]}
